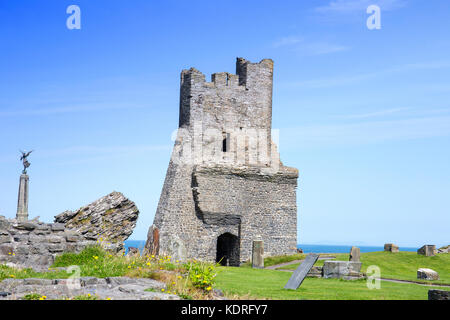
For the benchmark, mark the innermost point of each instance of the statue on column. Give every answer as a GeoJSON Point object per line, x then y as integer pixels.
{"type": "Point", "coordinates": [25, 162]}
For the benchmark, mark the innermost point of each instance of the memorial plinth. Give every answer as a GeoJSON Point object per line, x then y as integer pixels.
{"type": "Point", "coordinates": [22, 202]}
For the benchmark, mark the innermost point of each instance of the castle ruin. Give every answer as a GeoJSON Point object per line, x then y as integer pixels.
{"type": "Point", "coordinates": [225, 185]}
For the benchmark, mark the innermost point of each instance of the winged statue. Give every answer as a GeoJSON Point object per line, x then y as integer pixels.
{"type": "Point", "coordinates": [25, 162]}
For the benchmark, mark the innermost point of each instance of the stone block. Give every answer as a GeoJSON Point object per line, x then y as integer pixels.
{"type": "Point", "coordinates": [55, 239]}
{"type": "Point", "coordinates": [72, 236]}
{"type": "Point", "coordinates": [5, 239]}
{"type": "Point", "coordinates": [39, 248]}
{"type": "Point", "coordinates": [21, 238]}
{"type": "Point", "coordinates": [4, 223]}
{"type": "Point", "coordinates": [22, 249]}
{"type": "Point", "coordinates": [445, 249]}
{"type": "Point", "coordinates": [258, 254]}
{"type": "Point", "coordinates": [438, 295]}
{"type": "Point", "coordinates": [427, 250]}
{"type": "Point", "coordinates": [427, 274]}
{"type": "Point", "coordinates": [39, 262]}
{"type": "Point", "coordinates": [35, 238]}
{"type": "Point", "coordinates": [89, 281]}
{"type": "Point", "coordinates": [56, 247]}
{"type": "Point", "coordinates": [57, 226]}
{"type": "Point", "coordinates": [390, 247]}
{"type": "Point", "coordinates": [315, 272]}
{"type": "Point", "coordinates": [42, 232]}
{"type": "Point", "coordinates": [355, 254]}
{"type": "Point", "coordinates": [42, 227]}
{"type": "Point", "coordinates": [133, 252]}
{"type": "Point", "coordinates": [29, 226]}
{"type": "Point", "coordinates": [342, 269]}
{"type": "Point", "coordinates": [71, 247]}
{"type": "Point", "coordinates": [37, 281]}
{"type": "Point", "coordinates": [6, 249]}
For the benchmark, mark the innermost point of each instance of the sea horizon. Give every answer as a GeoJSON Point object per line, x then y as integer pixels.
{"type": "Point", "coordinates": [307, 248]}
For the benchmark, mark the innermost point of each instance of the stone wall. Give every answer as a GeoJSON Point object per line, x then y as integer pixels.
{"type": "Point", "coordinates": [222, 178]}
{"type": "Point", "coordinates": [34, 244]}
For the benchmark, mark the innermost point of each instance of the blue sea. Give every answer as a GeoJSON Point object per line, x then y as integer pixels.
{"type": "Point", "coordinates": [307, 248]}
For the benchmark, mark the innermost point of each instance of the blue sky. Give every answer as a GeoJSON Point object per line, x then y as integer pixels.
{"type": "Point", "coordinates": [363, 114]}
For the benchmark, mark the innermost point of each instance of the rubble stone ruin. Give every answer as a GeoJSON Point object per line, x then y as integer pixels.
{"type": "Point", "coordinates": [225, 186]}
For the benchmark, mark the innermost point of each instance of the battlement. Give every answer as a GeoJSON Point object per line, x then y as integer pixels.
{"type": "Point", "coordinates": [244, 97]}
{"type": "Point", "coordinates": [248, 75]}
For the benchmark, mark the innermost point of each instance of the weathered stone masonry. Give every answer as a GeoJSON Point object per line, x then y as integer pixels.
{"type": "Point", "coordinates": [225, 185]}
{"type": "Point", "coordinates": [34, 244]}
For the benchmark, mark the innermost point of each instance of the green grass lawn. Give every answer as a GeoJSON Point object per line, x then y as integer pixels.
{"type": "Point", "coordinates": [399, 265]}
{"type": "Point", "coordinates": [269, 284]}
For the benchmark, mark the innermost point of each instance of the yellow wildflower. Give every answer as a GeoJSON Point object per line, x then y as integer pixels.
{"type": "Point", "coordinates": [208, 289]}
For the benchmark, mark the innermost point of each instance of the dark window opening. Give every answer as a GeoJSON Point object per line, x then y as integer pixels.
{"type": "Point", "coordinates": [226, 143]}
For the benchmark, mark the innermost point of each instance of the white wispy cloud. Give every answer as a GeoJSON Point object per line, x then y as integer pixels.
{"type": "Point", "coordinates": [39, 111]}
{"type": "Point", "coordinates": [304, 47]}
{"type": "Point", "coordinates": [352, 6]}
{"type": "Point", "coordinates": [86, 153]}
{"type": "Point", "coordinates": [372, 114]}
{"type": "Point", "coordinates": [318, 48]}
{"type": "Point", "coordinates": [342, 80]}
{"type": "Point", "coordinates": [366, 132]}
{"type": "Point", "coordinates": [287, 41]}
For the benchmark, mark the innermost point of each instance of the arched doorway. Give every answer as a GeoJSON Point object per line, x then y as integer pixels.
{"type": "Point", "coordinates": [228, 250]}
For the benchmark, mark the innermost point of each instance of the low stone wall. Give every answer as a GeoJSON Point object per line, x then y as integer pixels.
{"type": "Point", "coordinates": [34, 244]}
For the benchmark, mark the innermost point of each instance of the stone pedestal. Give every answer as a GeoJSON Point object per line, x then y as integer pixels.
{"type": "Point", "coordinates": [257, 254]}
{"type": "Point", "coordinates": [22, 203]}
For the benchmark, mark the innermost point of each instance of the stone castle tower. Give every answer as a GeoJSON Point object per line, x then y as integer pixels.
{"type": "Point", "coordinates": [226, 186]}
